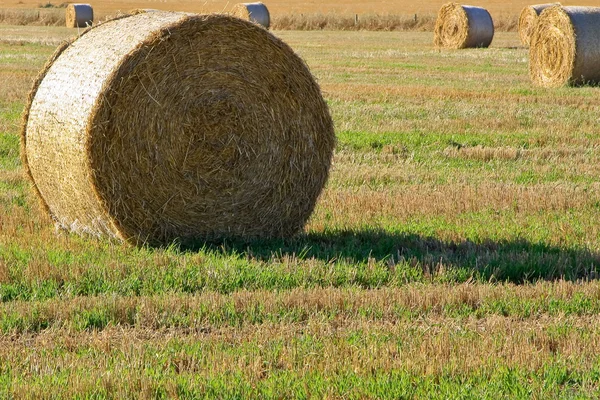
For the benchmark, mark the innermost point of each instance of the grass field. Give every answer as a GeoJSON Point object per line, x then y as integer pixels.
{"type": "Point", "coordinates": [453, 253]}
{"type": "Point", "coordinates": [285, 14]}
{"type": "Point", "coordinates": [497, 7]}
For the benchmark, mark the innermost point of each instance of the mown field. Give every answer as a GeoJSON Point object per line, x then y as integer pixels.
{"type": "Point", "coordinates": [453, 253]}
{"type": "Point", "coordinates": [295, 6]}
{"type": "Point", "coordinates": [284, 14]}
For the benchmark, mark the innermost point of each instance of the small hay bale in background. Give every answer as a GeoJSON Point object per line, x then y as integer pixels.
{"type": "Point", "coordinates": [79, 15]}
{"type": "Point", "coordinates": [459, 26]}
{"type": "Point", "coordinates": [528, 19]}
{"type": "Point", "coordinates": [565, 47]}
{"type": "Point", "coordinates": [253, 12]}
{"type": "Point", "coordinates": [190, 127]}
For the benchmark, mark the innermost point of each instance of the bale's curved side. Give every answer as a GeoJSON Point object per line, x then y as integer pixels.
{"type": "Point", "coordinates": [460, 26]}
{"type": "Point", "coordinates": [164, 137]}
{"type": "Point", "coordinates": [25, 117]}
{"type": "Point", "coordinates": [564, 47]}
{"type": "Point", "coordinates": [79, 15]}
{"type": "Point", "coordinates": [481, 27]}
{"type": "Point", "coordinates": [254, 12]}
{"type": "Point", "coordinates": [528, 18]}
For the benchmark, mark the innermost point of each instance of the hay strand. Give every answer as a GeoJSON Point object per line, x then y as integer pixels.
{"type": "Point", "coordinates": [190, 127]}
{"type": "Point", "coordinates": [460, 26]}
{"type": "Point", "coordinates": [253, 12]}
{"type": "Point", "coordinates": [79, 15]}
{"type": "Point", "coordinates": [564, 47]}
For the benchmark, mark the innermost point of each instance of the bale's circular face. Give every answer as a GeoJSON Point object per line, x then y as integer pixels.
{"type": "Point", "coordinates": [527, 21]}
{"type": "Point", "coordinates": [552, 48]}
{"type": "Point", "coordinates": [210, 127]}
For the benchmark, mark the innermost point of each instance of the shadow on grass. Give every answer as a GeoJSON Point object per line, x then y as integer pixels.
{"type": "Point", "coordinates": [516, 261]}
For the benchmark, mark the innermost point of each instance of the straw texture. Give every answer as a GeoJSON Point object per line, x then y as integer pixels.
{"type": "Point", "coordinates": [528, 18]}
{"type": "Point", "coordinates": [190, 127]}
{"type": "Point", "coordinates": [565, 47]}
{"type": "Point", "coordinates": [141, 10]}
{"type": "Point", "coordinates": [460, 26]}
{"type": "Point", "coordinates": [253, 12]}
{"type": "Point", "coordinates": [79, 15]}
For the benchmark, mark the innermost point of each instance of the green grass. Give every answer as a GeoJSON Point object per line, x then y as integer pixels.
{"type": "Point", "coordinates": [503, 382]}
{"type": "Point", "coordinates": [453, 253]}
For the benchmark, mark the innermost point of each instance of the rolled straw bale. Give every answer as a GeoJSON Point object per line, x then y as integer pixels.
{"type": "Point", "coordinates": [79, 15]}
{"type": "Point", "coordinates": [565, 47]}
{"type": "Point", "coordinates": [190, 127]}
{"type": "Point", "coordinates": [460, 26]}
{"type": "Point", "coordinates": [253, 12]}
{"type": "Point", "coordinates": [528, 19]}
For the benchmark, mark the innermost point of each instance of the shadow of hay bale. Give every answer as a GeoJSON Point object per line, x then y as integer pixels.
{"type": "Point", "coordinates": [516, 261]}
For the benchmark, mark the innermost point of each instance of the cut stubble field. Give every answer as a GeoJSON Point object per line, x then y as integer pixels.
{"type": "Point", "coordinates": [284, 14]}
{"type": "Point", "coordinates": [453, 253]}
{"type": "Point", "coordinates": [294, 6]}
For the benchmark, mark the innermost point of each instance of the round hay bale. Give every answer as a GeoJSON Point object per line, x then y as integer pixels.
{"type": "Point", "coordinates": [528, 19]}
{"type": "Point", "coordinates": [459, 26]}
{"type": "Point", "coordinates": [564, 47]}
{"type": "Point", "coordinates": [190, 127]}
{"type": "Point", "coordinates": [79, 15]}
{"type": "Point", "coordinates": [253, 12]}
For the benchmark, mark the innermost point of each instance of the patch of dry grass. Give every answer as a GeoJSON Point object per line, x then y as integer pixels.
{"type": "Point", "coordinates": [497, 8]}
{"type": "Point", "coordinates": [345, 21]}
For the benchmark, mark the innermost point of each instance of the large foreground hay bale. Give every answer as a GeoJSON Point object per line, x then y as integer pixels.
{"type": "Point", "coordinates": [459, 26]}
{"type": "Point", "coordinates": [565, 47]}
{"type": "Point", "coordinates": [254, 12]}
{"type": "Point", "coordinates": [189, 127]}
{"type": "Point", "coordinates": [79, 15]}
{"type": "Point", "coordinates": [528, 19]}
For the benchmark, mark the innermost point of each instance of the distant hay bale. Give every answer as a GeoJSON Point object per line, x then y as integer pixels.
{"type": "Point", "coordinates": [565, 47]}
{"type": "Point", "coordinates": [79, 15]}
{"type": "Point", "coordinates": [190, 128]}
{"type": "Point", "coordinates": [459, 26]}
{"type": "Point", "coordinates": [253, 12]}
{"type": "Point", "coordinates": [528, 18]}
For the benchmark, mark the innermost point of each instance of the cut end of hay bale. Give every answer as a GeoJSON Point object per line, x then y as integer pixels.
{"type": "Point", "coordinates": [253, 12]}
{"type": "Point", "coordinates": [461, 26]}
{"type": "Point", "coordinates": [192, 127]}
{"type": "Point", "coordinates": [552, 49]}
{"type": "Point", "coordinates": [528, 19]}
{"type": "Point", "coordinates": [79, 15]}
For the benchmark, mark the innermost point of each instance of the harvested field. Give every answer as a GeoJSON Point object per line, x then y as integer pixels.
{"type": "Point", "coordinates": [496, 7]}
{"type": "Point", "coordinates": [289, 15]}
{"type": "Point", "coordinates": [456, 245]}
